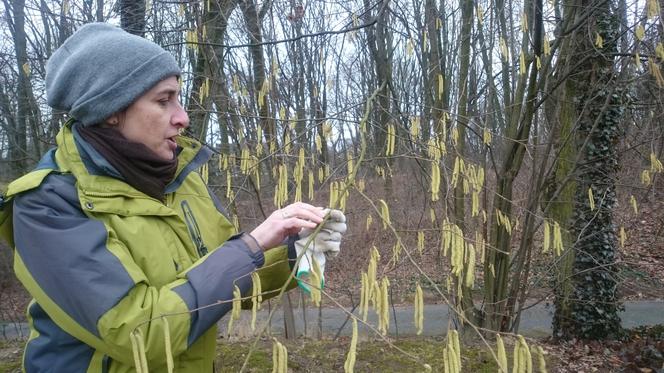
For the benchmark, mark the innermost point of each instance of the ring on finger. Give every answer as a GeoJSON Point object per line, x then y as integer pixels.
{"type": "Point", "coordinates": [284, 214]}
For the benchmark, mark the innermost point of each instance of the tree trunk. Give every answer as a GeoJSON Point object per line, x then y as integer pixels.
{"type": "Point", "coordinates": [464, 296]}
{"type": "Point", "coordinates": [132, 16]}
{"type": "Point", "coordinates": [253, 23]}
{"type": "Point", "coordinates": [600, 106]}
{"type": "Point", "coordinates": [18, 143]}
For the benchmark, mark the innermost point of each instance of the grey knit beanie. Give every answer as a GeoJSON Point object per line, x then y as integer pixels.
{"type": "Point", "coordinates": [101, 69]}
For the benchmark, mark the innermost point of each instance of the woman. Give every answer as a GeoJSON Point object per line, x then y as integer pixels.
{"type": "Point", "coordinates": [115, 228]}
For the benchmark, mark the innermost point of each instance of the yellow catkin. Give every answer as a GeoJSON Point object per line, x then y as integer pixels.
{"type": "Point", "coordinates": [257, 172]}
{"type": "Point", "coordinates": [396, 251]}
{"type": "Point", "coordinates": [228, 183]}
{"type": "Point", "coordinates": [373, 265]}
{"type": "Point", "coordinates": [235, 312]}
{"type": "Point", "coordinates": [369, 221]}
{"type": "Point", "coordinates": [540, 360]}
{"type": "Point", "coordinates": [414, 127]}
{"type": "Point", "coordinates": [384, 213]}
{"type": "Point", "coordinates": [655, 164]}
{"type": "Point", "coordinates": [546, 242]}
{"type": "Point", "coordinates": [376, 298]}
{"type": "Point", "coordinates": [244, 160]}
{"type": "Point", "coordinates": [455, 172]}
{"type": "Point", "coordinates": [433, 149]}
{"type": "Point", "coordinates": [591, 199]}
{"type": "Point", "coordinates": [522, 63]}
{"type": "Point", "coordinates": [435, 181]}
{"type": "Point", "coordinates": [446, 237]}
{"type": "Point", "coordinates": [457, 349]}
{"type": "Point", "coordinates": [287, 143]}
{"type": "Point", "coordinates": [256, 297]}
{"type": "Point", "coordinates": [526, 356]}
{"type": "Point", "coordinates": [500, 353]}
{"type": "Point", "coordinates": [645, 177]}
{"type": "Point", "coordinates": [315, 279]}
{"type": "Point", "coordinates": [361, 185]}
{"type": "Point", "coordinates": [640, 32]}
{"type": "Point", "coordinates": [420, 242]}
{"type": "Point", "coordinates": [659, 50]}
{"type": "Point", "coordinates": [279, 357]}
{"type": "Point", "coordinates": [311, 185]}
{"type": "Point", "coordinates": [364, 297]}
{"type": "Point", "coordinates": [421, 306]}
{"type": "Point", "coordinates": [281, 188]}
{"type": "Point", "coordinates": [391, 139]}
{"type": "Point", "coordinates": [418, 318]}
{"type": "Point", "coordinates": [635, 207]}
{"type": "Point", "coordinates": [451, 358]}
{"type": "Point", "coordinates": [425, 39]}
{"type": "Point", "coordinates": [516, 358]}
{"type": "Point", "coordinates": [236, 223]}
{"type": "Point", "coordinates": [599, 41]}
{"type": "Point", "coordinates": [383, 308]}
{"type": "Point", "coordinates": [623, 237]}
{"type": "Point", "coordinates": [275, 356]}
{"type": "Point", "coordinates": [284, 359]}
{"type": "Point", "coordinates": [349, 163]}
{"type": "Point", "coordinates": [486, 136]}
{"type": "Point", "coordinates": [349, 365]}
{"type": "Point", "coordinates": [480, 14]}
{"type": "Point", "coordinates": [480, 245]}
{"type": "Point", "coordinates": [504, 54]}
{"type": "Point", "coordinates": [475, 210]}
{"type": "Point", "coordinates": [653, 9]}
{"type": "Point", "coordinates": [524, 22]}
{"type": "Point", "coordinates": [469, 279]}
{"type": "Point", "coordinates": [457, 250]}
{"type": "Point", "coordinates": [441, 86]}
{"type": "Point", "coordinates": [409, 47]}
{"type": "Point", "coordinates": [167, 345]}
{"type": "Point", "coordinates": [557, 239]}
{"type": "Point", "coordinates": [432, 214]}
{"type": "Point", "coordinates": [334, 193]}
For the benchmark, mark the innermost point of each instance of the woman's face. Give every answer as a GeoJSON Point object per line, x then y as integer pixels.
{"type": "Point", "coordinates": [155, 119]}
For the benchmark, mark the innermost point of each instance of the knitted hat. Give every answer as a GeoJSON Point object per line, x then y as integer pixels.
{"type": "Point", "coordinates": [101, 70]}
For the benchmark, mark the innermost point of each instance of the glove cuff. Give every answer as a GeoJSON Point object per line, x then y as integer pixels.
{"type": "Point", "coordinates": [304, 269]}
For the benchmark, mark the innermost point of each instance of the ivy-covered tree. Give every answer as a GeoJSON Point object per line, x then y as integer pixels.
{"type": "Point", "coordinates": [599, 102]}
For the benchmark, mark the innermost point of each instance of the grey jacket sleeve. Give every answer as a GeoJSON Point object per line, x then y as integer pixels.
{"type": "Point", "coordinates": [213, 281]}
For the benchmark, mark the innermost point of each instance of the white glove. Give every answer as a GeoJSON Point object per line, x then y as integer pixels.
{"type": "Point", "coordinates": [326, 243]}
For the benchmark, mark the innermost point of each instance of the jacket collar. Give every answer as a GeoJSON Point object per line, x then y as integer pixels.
{"type": "Point", "coordinates": [94, 173]}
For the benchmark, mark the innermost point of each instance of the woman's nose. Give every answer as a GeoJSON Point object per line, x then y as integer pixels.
{"type": "Point", "coordinates": [180, 117]}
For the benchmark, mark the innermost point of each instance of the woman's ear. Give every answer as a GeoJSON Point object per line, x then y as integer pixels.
{"type": "Point", "coordinates": [113, 120]}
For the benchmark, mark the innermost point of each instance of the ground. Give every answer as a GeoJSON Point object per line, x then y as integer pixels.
{"type": "Point", "coordinates": [640, 353]}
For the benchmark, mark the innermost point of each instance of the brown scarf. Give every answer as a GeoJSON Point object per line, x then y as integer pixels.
{"type": "Point", "coordinates": [140, 166]}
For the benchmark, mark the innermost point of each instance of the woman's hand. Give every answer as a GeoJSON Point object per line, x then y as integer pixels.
{"type": "Point", "coordinates": [285, 222]}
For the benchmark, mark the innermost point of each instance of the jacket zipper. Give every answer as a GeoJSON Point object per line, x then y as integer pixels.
{"type": "Point", "coordinates": [194, 231]}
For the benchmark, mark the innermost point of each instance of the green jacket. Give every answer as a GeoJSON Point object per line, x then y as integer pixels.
{"type": "Point", "coordinates": [102, 259]}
